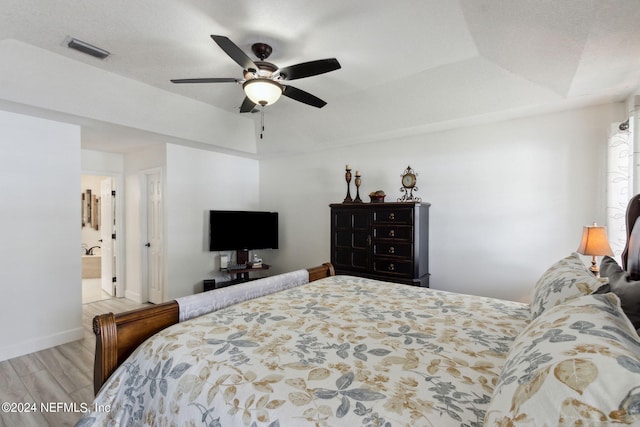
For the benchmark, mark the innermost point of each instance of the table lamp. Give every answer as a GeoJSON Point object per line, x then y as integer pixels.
{"type": "Point", "coordinates": [595, 243]}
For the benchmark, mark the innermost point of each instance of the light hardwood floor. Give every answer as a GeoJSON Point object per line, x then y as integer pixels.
{"type": "Point", "coordinates": [60, 374]}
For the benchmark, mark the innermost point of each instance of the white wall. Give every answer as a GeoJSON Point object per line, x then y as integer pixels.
{"type": "Point", "coordinates": [198, 181]}
{"type": "Point", "coordinates": [508, 199]}
{"type": "Point", "coordinates": [102, 163]}
{"type": "Point", "coordinates": [40, 226]}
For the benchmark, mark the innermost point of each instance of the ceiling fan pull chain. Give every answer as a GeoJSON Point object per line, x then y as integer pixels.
{"type": "Point", "coordinates": [261, 122]}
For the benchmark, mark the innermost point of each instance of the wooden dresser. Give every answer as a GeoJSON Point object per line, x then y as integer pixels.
{"type": "Point", "coordinates": [385, 241]}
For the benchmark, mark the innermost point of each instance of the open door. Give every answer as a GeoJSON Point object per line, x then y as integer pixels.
{"type": "Point", "coordinates": [107, 235]}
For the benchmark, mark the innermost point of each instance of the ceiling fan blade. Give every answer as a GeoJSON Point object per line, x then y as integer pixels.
{"type": "Point", "coordinates": [308, 69]}
{"type": "Point", "coordinates": [207, 80]}
{"type": "Point", "coordinates": [247, 105]}
{"type": "Point", "coordinates": [234, 52]}
{"type": "Point", "coordinates": [302, 96]}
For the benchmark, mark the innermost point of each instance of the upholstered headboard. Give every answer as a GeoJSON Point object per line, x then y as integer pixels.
{"type": "Point", "coordinates": [631, 253]}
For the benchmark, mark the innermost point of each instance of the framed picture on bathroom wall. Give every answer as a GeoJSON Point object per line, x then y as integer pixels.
{"type": "Point", "coordinates": [86, 208]}
{"type": "Point", "coordinates": [90, 210]}
{"type": "Point", "coordinates": [95, 212]}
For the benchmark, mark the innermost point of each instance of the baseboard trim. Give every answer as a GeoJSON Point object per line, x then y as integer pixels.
{"type": "Point", "coordinates": [40, 343]}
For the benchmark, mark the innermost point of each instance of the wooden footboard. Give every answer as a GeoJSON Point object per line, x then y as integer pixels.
{"type": "Point", "coordinates": [117, 335]}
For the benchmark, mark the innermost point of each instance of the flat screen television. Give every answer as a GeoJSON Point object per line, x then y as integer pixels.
{"type": "Point", "coordinates": [242, 230]}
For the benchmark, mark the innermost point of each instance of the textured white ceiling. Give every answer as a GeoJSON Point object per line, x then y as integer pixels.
{"type": "Point", "coordinates": [407, 66]}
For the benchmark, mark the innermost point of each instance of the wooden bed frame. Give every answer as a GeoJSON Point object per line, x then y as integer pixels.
{"type": "Point", "coordinates": [117, 335]}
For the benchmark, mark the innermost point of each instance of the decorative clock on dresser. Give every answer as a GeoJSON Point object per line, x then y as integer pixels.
{"type": "Point", "coordinates": [385, 241]}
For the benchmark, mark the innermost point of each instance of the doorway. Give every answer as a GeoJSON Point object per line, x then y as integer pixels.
{"type": "Point", "coordinates": [98, 246]}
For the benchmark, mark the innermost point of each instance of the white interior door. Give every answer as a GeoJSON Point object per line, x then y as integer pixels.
{"type": "Point", "coordinates": [107, 233]}
{"type": "Point", "coordinates": [155, 252]}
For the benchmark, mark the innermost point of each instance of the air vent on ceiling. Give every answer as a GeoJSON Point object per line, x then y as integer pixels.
{"type": "Point", "coordinates": [87, 48]}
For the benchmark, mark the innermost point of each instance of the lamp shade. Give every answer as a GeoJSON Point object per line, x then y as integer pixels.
{"type": "Point", "coordinates": [262, 91]}
{"type": "Point", "coordinates": [594, 241]}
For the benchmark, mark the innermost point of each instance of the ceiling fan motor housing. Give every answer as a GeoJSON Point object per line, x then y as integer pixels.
{"type": "Point", "coordinates": [261, 50]}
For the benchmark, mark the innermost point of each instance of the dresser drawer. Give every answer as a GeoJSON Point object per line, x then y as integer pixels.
{"type": "Point", "coordinates": [393, 216]}
{"type": "Point", "coordinates": [400, 250]}
{"type": "Point", "coordinates": [393, 267]}
{"type": "Point", "coordinates": [393, 232]}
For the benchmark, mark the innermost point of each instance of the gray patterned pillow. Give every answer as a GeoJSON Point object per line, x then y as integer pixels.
{"type": "Point", "coordinates": [566, 279]}
{"type": "Point", "coordinates": [577, 364]}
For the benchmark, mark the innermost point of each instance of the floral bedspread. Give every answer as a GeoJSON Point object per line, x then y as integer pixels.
{"type": "Point", "coordinates": [341, 351]}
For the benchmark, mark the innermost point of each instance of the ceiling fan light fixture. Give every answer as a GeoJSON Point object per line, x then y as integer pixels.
{"type": "Point", "coordinates": [262, 91]}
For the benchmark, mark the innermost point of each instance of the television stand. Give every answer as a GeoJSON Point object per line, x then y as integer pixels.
{"type": "Point", "coordinates": [242, 275]}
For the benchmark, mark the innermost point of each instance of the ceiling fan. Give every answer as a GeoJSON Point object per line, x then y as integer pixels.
{"type": "Point", "coordinates": [262, 81]}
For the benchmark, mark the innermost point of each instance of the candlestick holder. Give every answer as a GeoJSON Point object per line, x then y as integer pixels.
{"type": "Point", "coordinates": [347, 177]}
{"type": "Point", "coordinates": [358, 182]}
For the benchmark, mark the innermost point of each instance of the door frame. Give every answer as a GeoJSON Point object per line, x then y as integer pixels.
{"type": "Point", "coordinates": [144, 238]}
{"type": "Point", "coordinates": [118, 178]}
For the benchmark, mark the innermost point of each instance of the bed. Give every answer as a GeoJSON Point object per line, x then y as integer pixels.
{"type": "Point", "coordinates": [343, 350]}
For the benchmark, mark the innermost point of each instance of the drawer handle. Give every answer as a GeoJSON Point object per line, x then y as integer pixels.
{"type": "Point", "coordinates": [392, 267]}
{"type": "Point", "coordinates": [392, 216]}
{"type": "Point", "coordinates": [392, 250]}
{"type": "Point", "coordinates": [392, 233]}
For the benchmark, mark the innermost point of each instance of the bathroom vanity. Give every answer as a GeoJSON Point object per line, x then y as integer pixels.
{"type": "Point", "coordinates": [91, 266]}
